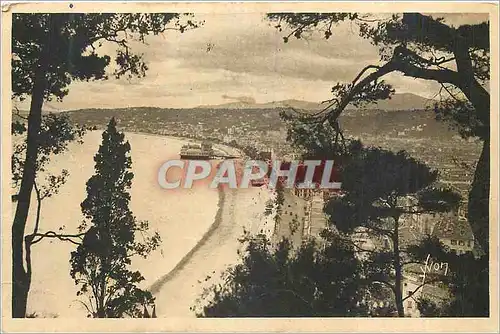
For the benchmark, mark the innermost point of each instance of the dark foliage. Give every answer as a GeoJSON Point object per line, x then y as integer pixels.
{"type": "Point", "coordinates": [380, 188]}
{"type": "Point", "coordinates": [466, 281]}
{"type": "Point", "coordinates": [280, 282]}
{"type": "Point", "coordinates": [100, 264]}
{"type": "Point", "coordinates": [48, 52]}
{"type": "Point", "coordinates": [74, 46]}
{"type": "Point", "coordinates": [424, 47]}
{"type": "Point", "coordinates": [56, 133]}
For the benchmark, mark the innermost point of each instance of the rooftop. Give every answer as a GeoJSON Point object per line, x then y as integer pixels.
{"type": "Point", "coordinates": [453, 228]}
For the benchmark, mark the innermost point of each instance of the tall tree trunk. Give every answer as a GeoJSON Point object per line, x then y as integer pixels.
{"type": "Point", "coordinates": [21, 278]}
{"type": "Point", "coordinates": [101, 310]}
{"type": "Point", "coordinates": [478, 204]}
{"type": "Point", "coordinates": [398, 284]}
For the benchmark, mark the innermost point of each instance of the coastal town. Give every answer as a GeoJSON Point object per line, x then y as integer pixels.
{"type": "Point", "coordinates": [302, 215]}
{"type": "Point", "coordinates": [253, 163]}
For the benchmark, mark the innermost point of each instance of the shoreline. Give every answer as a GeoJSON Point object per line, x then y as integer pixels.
{"type": "Point", "coordinates": [159, 283]}
{"type": "Point", "coordinates": [156, 286]}
{"type": "Point", "coordinates": [222, 146]}
{"type": "Point", "coordinates": [182, 254]}
{"type": "Point", "coordinates": [159, 268]}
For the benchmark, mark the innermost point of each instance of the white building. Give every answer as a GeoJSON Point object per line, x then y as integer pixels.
{"type": "Point", "coordinates": [412, 291]}
{"type": "Point", "coordinates": [455, 233]}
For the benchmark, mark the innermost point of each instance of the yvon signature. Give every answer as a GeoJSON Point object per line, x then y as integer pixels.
{"type": "Point", "coordinates": [431, 266]}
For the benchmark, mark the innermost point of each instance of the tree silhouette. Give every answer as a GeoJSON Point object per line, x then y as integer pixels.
{"type": "Point", "coordinates": [381, 187]}
{"type": "Point", "coordinates": [467, 283]}
{"type": "Point", "coordinates": [318, 140]}
{"type": "Point", "coordinates": [311, 281]}
{"type": "Point", "coordinates": [56, 132]}
{"type": "Point", "coordinates": [423, 47]}
{"type": "Point", "coordinates": [49, 51]}
{"type": "Point", "coordinates": [100, 263]}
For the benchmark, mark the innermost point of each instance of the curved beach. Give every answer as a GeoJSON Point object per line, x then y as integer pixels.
{"type": "Point", "coordinates": [199, 228]}
{"type": "Point", "coordinates": [179, 289]}
{"type": "Point", "coordinates": [181, 217]}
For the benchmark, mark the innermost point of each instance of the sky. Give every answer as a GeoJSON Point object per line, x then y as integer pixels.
{"type": "Point", "coordinates": [239, 57]}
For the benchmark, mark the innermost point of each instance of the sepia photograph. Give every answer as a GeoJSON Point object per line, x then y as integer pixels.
{"type": "Point", "coordinates": [250, 160]}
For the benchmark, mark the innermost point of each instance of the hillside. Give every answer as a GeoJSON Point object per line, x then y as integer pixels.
{"type": "Point", "coordinates": [401, 123]}
{"type": "Point", "coordinates": [416, 131]}
{"type": "Point", "coordinates": [405, 101]}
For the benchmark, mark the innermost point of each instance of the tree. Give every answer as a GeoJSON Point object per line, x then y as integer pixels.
{"type": "Point", "coordinates": [469, 288]}
{"type": "Point", "coordinates": [49, 51]}
{"type": "Point", "coordinates": [314, 140]}
{"type": "Point", "coordinates": [381, 188]}
{"type": "Point", "coordinates": [294, 224]}
{"type": "Point", "coordinates": [467, 282]}
{"type": "Point", "coordinates": [278, 202]}
{"type": "Point", "coordinates": [278, 282]}
{"type": "Point", "coordinates": [56, 132]}
{"type": "Point", "coordinates": [269, 208]}
{"type": "Point", "coordinates": [100, 263]}
{"type": "Point", "coordinates": [421, 47]}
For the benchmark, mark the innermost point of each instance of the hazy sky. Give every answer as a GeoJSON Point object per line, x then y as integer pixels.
{"type": "Point", "coordinates": [239, 56]}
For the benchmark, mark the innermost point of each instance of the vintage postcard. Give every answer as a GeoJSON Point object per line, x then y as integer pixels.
{"type": "Point", "coordinates": [250, 167]}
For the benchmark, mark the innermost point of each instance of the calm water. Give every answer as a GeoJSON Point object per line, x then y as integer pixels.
{"type": "Point", "coordinates": [181, 217]}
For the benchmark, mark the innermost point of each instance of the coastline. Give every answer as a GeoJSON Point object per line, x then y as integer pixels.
{"type": "Point", "coordinates": [158, 284]}
{"type": "Point", "coordinates": [167, 214]}
{"type": "Point", "coordinates": [220, 146]}
{"type": "Point", "coordinates": [210, 228]}
{"type": "Point", "coordinates": [179, 290]}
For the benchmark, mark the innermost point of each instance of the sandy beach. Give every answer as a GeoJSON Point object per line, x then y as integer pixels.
{"type": "Point", "coordinates": [240, 210]}
{"type": "Point", "coordinates": [199, 228]}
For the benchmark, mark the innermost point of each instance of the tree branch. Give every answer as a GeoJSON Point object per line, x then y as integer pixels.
{"type": "Point", "coordinates": [18, 114]}
{"type": "Point", "coordinates": [399, 62]}
{"type": "Point", "coordinates": [421, 286]}
{"type": "Point", "coordinates": [38, 208]}
{"type": "Point", "coordinates": [358, 87]}
{"type": "Point", "coordinates": [449, 92]}
{"type": "Point", "coordinates": [360, 249]}
{"type": "Point", "coordinates": [381, 230]}
{"type": "Point", "coordinates": [51, 234]}
{"type": "Point", "coordinates": [87, 307]}
{"type": "Point", "coordinates": [275, 292]}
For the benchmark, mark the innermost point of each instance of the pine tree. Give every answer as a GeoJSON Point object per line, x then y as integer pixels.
{"type": "Point", "coordinates": [382, 188]}
{"type": "Point", "coordinates": [408, 43]}
{"type": "Point", "coordinates": [278, 281]}
{"type": "Point", "coordinates": [50, 51]}
{"type": "Point", "coordinates": [100, 265]}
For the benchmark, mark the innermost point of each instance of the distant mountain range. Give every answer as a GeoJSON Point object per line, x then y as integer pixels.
{"type": "Point", "coordinates": [296, 104]}
{"type": "Point", "coordinates": [406, 101]}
